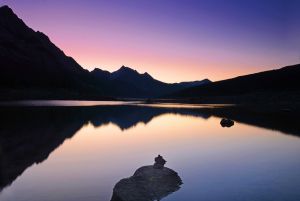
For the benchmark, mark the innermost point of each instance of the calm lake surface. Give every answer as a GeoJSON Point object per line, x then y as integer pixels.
{"type": "Point", "coordinates": [78, 153]}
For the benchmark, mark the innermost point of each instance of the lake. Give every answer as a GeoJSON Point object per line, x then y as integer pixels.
{"type": "Point", "coordinates": [74, 151]}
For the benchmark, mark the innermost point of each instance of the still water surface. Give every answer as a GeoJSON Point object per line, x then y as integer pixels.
{"type": "Point", "coordinates": [75, 154]}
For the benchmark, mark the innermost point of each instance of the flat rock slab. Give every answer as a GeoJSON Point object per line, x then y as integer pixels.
{"type": "Point", "coordinates": [147, 184]}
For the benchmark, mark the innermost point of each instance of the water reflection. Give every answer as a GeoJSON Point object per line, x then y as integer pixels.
{"type": "Point", "coordinates": [28, 135]}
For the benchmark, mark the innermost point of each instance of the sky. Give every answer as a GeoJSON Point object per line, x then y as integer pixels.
{"type": "Point", "coordinates": [173, 40]}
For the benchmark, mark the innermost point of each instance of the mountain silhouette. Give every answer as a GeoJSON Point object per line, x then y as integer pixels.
{"type": "Point", "coordinates": [283, 82]}
{"type": "Point", "coordinates": [33, 67]}
{"type": "Point", "coordinates": [31, 64]}
{"type": "Point", "coordinates": [129, 82]}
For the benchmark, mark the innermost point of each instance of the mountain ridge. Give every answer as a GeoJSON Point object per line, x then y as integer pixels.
{"type": "Point", "coordinates": [272, 82]}
{"type": "Point", "coordinates": [105, 73]}
{"type": "Point", "coordinates": [32, 67]}
{"type": "Point", "coordinates": [143, 82]}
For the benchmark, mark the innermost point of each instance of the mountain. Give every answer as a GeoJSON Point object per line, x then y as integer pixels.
{"type": "Point", "coordinates": [283, 81]}
{"type": "Point", "coordinates": [127, 82]}
{"type": "Point", "coordinates": [140, 85]}
{"type": "Point", "coordinates": [29, 60]}
{"type": "Point", "coordinates": [31, 66]}
{"type": "Point", "coordinates": [194, 83]}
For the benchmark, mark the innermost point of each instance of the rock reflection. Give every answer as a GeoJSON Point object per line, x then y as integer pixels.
{"type": "Point", "coordinates": [148, 183]}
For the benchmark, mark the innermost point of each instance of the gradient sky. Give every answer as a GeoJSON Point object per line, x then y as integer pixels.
{"type": "Point", "coordinates": [170, 39]}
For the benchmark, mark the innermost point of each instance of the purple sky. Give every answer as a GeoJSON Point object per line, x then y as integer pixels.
{"type": "Point", "coordinates": [172, 40]}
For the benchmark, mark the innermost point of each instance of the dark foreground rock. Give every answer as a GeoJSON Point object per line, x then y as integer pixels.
{"type": "Point", "coordinates": [147, 184]}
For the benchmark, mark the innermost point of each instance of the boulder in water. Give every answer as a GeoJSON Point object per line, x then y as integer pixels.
{"type": "Point", "coordinates": [147, 184]}
{"type": "Point", "coordinates": [226, 122]}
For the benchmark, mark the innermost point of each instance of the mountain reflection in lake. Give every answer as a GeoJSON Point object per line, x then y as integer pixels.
{"type": "Point", "coordinates": [249, 161]}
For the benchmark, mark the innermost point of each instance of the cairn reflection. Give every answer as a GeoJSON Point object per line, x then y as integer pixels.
{"type": "Point", "coordinates": [148, 183]}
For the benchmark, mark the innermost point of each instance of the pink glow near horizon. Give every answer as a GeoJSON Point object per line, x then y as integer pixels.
{"type": "Point", "coordinates": [168, 47]}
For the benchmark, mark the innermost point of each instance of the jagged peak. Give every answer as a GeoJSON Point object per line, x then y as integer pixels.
{"type": "Point", "coordinates": [7, 11]}
{"type": "Point", "coordinates": [125, 68]}
{"type": "Point", "coordinates": [128, 69]}
{"type": "Point", "coordinates": [195, 81]}
{"type": "Point", "coordinates": [5, 8]}
{"type": "Point", "coordinates": [99, 70]}
{"type": "Point", "coordinates": [147, 75]}
{"type": "Point", "coordinates": [9, 18]}
{"type": "Point", "coordinates": [42, 34]}
{"type": "Point", "coordinates": [206, 80]}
